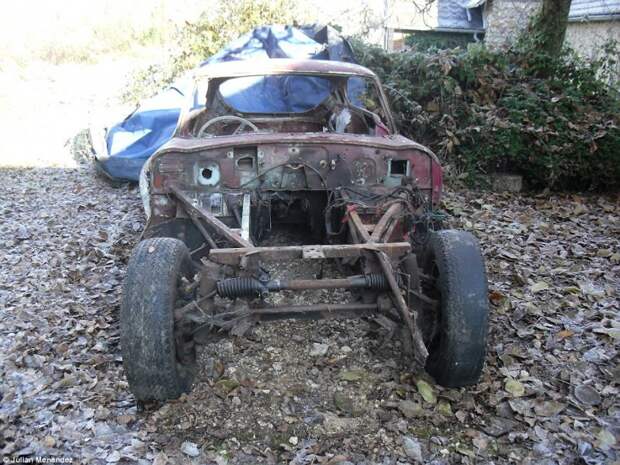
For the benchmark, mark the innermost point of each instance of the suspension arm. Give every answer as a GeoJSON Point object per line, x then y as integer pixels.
{"type": "Point", "coordinates": [421, 352]}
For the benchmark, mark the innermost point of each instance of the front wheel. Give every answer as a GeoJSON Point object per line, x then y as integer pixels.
{"type": "Point", "coordinates": [158, 362]}
{"type": "Point", "coordinates": [455, 329]}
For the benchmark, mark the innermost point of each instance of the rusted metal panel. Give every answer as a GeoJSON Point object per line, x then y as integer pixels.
{"type": "Point", "coordinates": [295, 252]}
{"type": "Point", "coordinates": [392, 142]}
{"type": "Point", "coordinates": [295, 167]}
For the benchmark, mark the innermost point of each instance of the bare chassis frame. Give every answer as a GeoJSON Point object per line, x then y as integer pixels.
{"type": "Point", "coordinates": [380, 257]}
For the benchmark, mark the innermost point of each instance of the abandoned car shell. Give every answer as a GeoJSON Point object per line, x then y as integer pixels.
{"type": "Point", "coordinates": [282, 142]}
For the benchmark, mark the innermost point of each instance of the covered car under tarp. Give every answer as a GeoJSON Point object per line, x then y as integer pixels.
{"type": "Point", "coordinates": [121, 150]}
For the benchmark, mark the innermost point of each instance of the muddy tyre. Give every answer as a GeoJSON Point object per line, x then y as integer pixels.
{"type": "Point", "coordinates": [457, 344]}
{"type": "Point", "coordinates": [148, 344]}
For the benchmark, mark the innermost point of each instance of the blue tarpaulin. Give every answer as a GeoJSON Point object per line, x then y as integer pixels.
{"type": "Point", "coordinates": [132, 141]}
{"type": "Point", "coordinates": [275, 94]}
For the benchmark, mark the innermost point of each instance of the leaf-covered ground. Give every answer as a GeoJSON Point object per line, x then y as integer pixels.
{"type": "Point", "coordinates": [308, 393]}
{"type": "Point", "coordinates": [292, 392]}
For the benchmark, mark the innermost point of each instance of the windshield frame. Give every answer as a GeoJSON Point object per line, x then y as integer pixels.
{"type": "Point", "coordinates": [206, 89]}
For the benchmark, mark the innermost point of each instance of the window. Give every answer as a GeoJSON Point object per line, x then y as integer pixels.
{"type": "Point", "coordinates": [275, 94]}
{"type": "Point", "coordinates": [363, 93]}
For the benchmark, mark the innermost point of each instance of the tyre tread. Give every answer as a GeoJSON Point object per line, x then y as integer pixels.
{"type": "Point", "coordinates": [459, 359]}
{"type": "Point", "coordinates": [147, 322]}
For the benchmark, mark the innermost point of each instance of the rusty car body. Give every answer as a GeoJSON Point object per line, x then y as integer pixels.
{"type": "Point", "coordinates": [323, 151]}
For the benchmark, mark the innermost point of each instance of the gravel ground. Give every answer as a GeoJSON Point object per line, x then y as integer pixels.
{"type": "Point", "coordinates": [317, 392]}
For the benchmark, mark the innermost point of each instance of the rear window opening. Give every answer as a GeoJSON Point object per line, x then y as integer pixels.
{"type": "Point", "coordinates": [398, 167]}
{"type": "Point", "coordinates": [275, 94]}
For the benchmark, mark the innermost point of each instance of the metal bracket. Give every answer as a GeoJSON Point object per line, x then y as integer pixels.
{"type": "Point", "coordinates": [245, 217]}
{"type": "Point", "coordinates": [312, 252]}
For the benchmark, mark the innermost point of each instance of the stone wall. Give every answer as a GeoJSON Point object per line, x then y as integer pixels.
{"type": "Point", "coordinates": [588, 39]}
{"type": "Point", "coordinates": [505, 19]}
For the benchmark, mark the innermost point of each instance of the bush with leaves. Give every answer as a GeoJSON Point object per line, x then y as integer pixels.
{"type": "Point", "coordinates": [200, 39]}
{"type": "Point", "coordinates": [488, 111]}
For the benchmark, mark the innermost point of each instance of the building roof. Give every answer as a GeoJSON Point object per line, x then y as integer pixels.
{"type": "Point", "coordinates": [437, 15]}
{"type": "Point", "coordinates": [460, 14]}
{"type": "Point", "coordinates": [594, 10]}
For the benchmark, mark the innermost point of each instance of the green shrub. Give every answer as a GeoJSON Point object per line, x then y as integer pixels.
{"type": "Point", "coordinates": [432, 40]}
{"type": "Point", "coordinates": [198, 40]}
{"type": "Point", "coordinates": [483, 111]}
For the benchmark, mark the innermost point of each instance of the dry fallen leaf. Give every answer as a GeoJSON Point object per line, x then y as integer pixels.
{"type": "Point", "coordinates": [514, 387]}
{"type": "Point", "coordinates": [605, 439]}
{"type": "Point", "coordinates": [539, 286]}
{"type": "Point", "coordinates": [548, 408]}
{"type": "Point", "coordinates": [496, 297]}
{"type": "Point", "coordinates": [564, 334]}
{"type": "Point", "coordinates": [426, 391]}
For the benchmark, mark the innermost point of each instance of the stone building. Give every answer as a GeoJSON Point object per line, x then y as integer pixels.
{"type": "Point", "coordinates": [592, 23]}
{"type": "Point", "coordinates": [457, 18]}
{"type": "Point", "coordinates": [505, 19]}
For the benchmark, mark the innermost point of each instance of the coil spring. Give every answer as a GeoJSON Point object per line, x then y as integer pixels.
{"type": "Point", "coordinates": [239, 287]}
